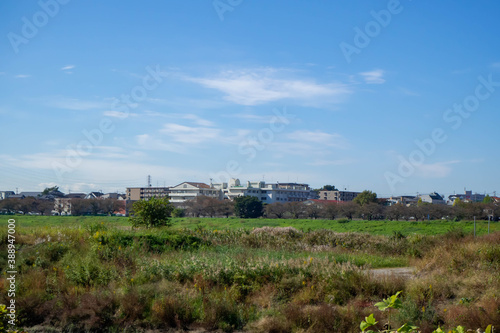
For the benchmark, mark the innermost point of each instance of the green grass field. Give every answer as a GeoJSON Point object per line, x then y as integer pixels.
{"type": "Point", "coordinates": [372, 227]}
{"type": "Point", "coordinates": [97, 274]}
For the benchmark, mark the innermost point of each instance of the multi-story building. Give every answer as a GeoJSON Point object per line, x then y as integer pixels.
{"type": "Point", "coordinates": [337, 195]}
{"type": "Point", "coordinates": [467, 197]}
{"type": "Point", "coordinates": [144, 193]}
{"type": "Point", "coordinates": [267, 193]}
{"type": "Point", "coordinates": [6, 194]}
{"type": "Point", "coordinates": [190, 190]}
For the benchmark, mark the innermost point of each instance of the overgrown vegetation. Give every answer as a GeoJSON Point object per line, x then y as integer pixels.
{"type": "Point", "coordinates": [262, 280]}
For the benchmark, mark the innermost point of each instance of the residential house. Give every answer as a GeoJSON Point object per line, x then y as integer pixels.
{"type": "Point", "coordinates": [94, 195]}
{"type": "Point", "coordinates": [433, 198]}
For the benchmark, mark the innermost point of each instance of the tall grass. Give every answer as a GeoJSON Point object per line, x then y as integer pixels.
{"type": "Point", "coordinates": [98, 277]}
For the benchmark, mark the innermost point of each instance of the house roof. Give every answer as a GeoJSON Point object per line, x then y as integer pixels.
{"type": "Point", "coordinates": [76, 195]}
{"type": "Point", "coordinates": [198, 185]}
{"type": "Point", "coordinates": [31, 194]}
{"type": "Point", "coordinates": [323, 201]}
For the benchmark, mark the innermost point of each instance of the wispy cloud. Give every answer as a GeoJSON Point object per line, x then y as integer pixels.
{"type": "Point", "coordinates": [74, 103]}
{"type": "Point", "coordinates": [373, 77]}
{"type": "Point", "coordinates": [192, 117]}
{"type": "Point", "coordinates": [190, 135]}
{"type": "Point", "coordinates": [22, 76]}
{"type": "Point", "coordinates": [120, 115]}
{"type": "Point", "coordinates": [435, 170]}
{"type": "Point", "coordinates": [495, 65]}
{"type": "Point", "coordinates": [323, 162]}
{"type": "Point", "coordinates": [319, 138]}
{"type": "Point", "coordinates": [67, 67]}
{"type": "Point", "coordinates": [408, 92]}
{"type": "Point", "coordinates": [198, 120]}
{"type": "Point", "coordinates": [264, 85]}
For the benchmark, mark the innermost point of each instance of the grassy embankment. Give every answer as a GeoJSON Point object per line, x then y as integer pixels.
{"type": "Point", "coordinates": [383, 227]}
{"type": "Point", "coordinates": [93, 274]}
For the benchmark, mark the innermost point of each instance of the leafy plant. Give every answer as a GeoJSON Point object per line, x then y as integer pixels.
{"type": "Point", "coordinates": [154, 212]}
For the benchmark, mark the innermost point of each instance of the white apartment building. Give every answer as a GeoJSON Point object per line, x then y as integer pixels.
{"type": "Point", "coordinates": [267, 193]}
{"type": "Point", "coordinates": [190, 190]}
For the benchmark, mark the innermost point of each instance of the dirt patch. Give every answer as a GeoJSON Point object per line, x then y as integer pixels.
{"type": "Point", "coordinates": [405, 272]}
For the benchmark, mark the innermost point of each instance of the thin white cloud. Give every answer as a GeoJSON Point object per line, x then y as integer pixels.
{"type": "Point", "coordinates": [408, 92]}
{"type": "Point", "coordinates": [323, 162]}
{"type": "Point", "coordinates": [22, 76]}
{"type": "Point", "coordinates": [319, 138]}
{"type": "Point", "coordinates": [373, 77]}
{"type": "Point", "coordinates": [435, 170]}
{"type": "Point", "coordinates": [260, 86]}
{"type": "Point", "coordinates": [190, 135]}
{"type": "Point", "coordinates": [189, 116]}
{"type": "Point", "coordinates": [198, 120]}
{"type": "Point", "coordinates": [74, 103]}
{"type": "Point", "coordinates": [106, 173]}
{"type": "Point", "coordinates": [148, 142]}
{"type": "Point", "coordinates": [68, 67]}
{"type": "Point", "coordinates": [495, 65]}
{"type": "Point", "coordinates": [120, 115]}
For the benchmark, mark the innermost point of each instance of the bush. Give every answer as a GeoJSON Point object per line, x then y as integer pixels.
{"type": "Point", "coordinates": [154, 212]}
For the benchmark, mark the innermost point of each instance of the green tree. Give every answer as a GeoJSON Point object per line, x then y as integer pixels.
{"type": "Point", "coordinates": [328, 188]}
{"type": "Point", "coordinates": [248, 207]}
{"type": "Point", "coordinates": [366, 197]}
{"type": "Point", "coordinates": [487, 199]}
{"type": "Point", "coordinates": [154, 212]}
{"type": "Point", "coordinates": [49, 190]}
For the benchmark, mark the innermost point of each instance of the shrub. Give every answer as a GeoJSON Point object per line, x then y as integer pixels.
{"type": "Point", "coordinates": [154, 212]}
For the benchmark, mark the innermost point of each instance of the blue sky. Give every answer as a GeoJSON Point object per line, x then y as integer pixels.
{"type": "Point", "coordinates": [359, 94]}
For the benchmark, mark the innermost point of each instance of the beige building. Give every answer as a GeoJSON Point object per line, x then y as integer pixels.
{"type": "Point", "coordinates": [190, 190]}
{"type": "Point", "coordinates": [338, 195]}
{"type": "Point", "coordinates": [144, 193]}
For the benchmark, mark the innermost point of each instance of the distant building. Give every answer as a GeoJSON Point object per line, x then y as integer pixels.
{"type": "Point", "coordinates": [433, 198]}
{"type": "Point", "coordinates": [31, 194]}
{"type": "Point", "coordinates": [337, 195]}
{"type": "Point", "coordinates": [116, 196]}
{"type": "Point", "coordinates": [407, 200]}
{"type": "Point", "coordinates": [6, 194]}
{"type": "Point", "coordinates": [190, 190]}
{"type": "Point", "coordinates": [94, 195]}
{"type": "Point", "coordinates": [467, 197]}
{"type": "Point", "coordinates": [144, 193]}
{"type": "Point", "coordinates": [76, 196]}
{"type": "Point", "coordinates": [267, 193]}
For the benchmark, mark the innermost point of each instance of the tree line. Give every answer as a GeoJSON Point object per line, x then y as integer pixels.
{"type": "Point", "coordinates": [31, 205]}
{"type": "Point", "coordinates": [366, 207]}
